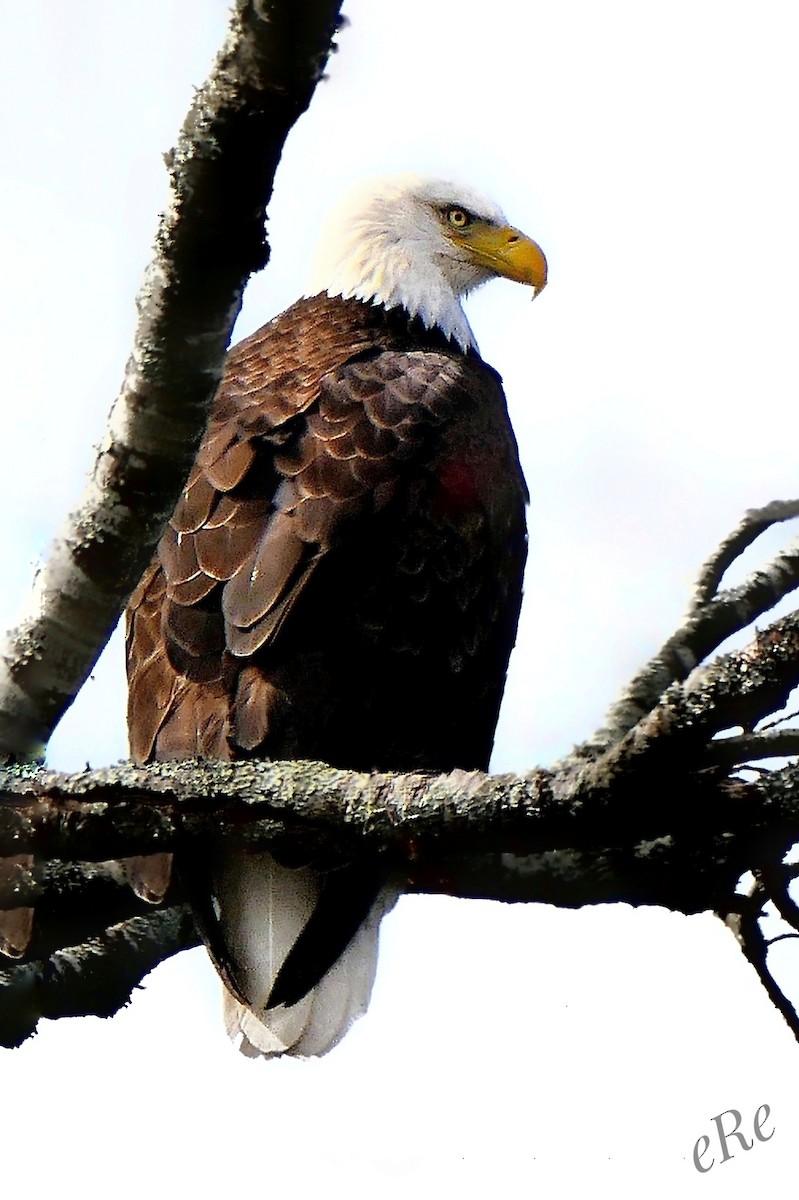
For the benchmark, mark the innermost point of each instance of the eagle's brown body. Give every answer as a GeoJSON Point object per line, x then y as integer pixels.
{"type": "Point", "coordinates": [341, 579]}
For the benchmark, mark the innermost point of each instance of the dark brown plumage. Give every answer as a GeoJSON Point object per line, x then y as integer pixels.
{"type": "Point", "coordinates": [341, 581]}
{"type": "Point", "coordinates": [341, 577]}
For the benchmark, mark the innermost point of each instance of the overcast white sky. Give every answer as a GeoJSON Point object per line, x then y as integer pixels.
{"type": "Point", "coordinates": [650, 148]}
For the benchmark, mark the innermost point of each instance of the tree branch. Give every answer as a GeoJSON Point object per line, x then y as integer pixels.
{"type": "Point", "coordinates": [754, 522]}
{"type": "Point", "coordinates": [92, 979]}
{"type": "Point", "coordinates": [654, 818]}
{"type": "Point", "coordinates": [209, 241]}
{"type": "Point", "coordinates": [745, 924]}
{"type": "Point", "coordinates": [711, 619]}
{"type": "Point", "coordinates": [771, 743]}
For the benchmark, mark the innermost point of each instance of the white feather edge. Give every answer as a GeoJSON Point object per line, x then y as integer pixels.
{"type": "Point", "coordinates": [264, 907]}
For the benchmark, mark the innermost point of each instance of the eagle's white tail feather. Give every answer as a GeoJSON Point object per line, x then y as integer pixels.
{"type": "Point", "coordinates": [263, 908]}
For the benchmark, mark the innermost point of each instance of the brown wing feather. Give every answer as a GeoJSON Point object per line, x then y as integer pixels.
{"type": "Point", "coordinates": [213, 532]}
{"type": "Point", "coordinates": [195, 504]}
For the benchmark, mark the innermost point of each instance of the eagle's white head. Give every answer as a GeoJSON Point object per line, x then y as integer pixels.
{"type": "Point", "coordinates": [422, 244]}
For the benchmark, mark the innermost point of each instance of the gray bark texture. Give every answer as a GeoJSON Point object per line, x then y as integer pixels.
{"type": "Point", "coordinates": [209, 241]}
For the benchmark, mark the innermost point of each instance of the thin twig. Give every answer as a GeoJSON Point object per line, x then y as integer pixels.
{"type": "Point", "coordinates": [777, 721]}
{"type": "Point", "coordinates": [776, 880]}
{"type": "Point", "coordinates": [781, 937]}
{"type": "Point", "coordinates": [755, 947]}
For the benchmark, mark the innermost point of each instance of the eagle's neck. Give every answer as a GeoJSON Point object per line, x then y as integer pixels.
{"type": "Point", "coordinates": [384, 266]}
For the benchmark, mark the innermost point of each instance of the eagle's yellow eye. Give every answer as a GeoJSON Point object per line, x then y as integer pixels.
{"type": "Point", "coordinates": [458, 218]}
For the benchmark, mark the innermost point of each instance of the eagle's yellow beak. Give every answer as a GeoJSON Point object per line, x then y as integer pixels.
{"type": "Point", "coordinates": [508, 252]}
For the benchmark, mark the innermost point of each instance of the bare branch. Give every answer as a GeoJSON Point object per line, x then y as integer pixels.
{"type": "Point", "coordinates": [93, 979]}
{"type": "Point", "coordinates": [739, 688]}
{"type": "Point", "coordinates": [746, 925]}
{"type": "Point", "coordinates": [58, 881]}
{"type": "Point", "coordinates": [709, 624]}
{"type": "Point", "coordinates": [780, 720]}
{"type": "Point", "coordinates": [755, 522]}
{"type": "Point", "coordinates": [771, 743]}
{"type": "Point", "coordinates": [307, 812]}
{"type": "Point", "coordinates": [209, 241]}
{"type": "Point", "coordinates": [306, 808]}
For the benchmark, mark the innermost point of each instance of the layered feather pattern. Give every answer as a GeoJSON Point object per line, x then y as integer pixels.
{"type": "Point", "coordinates": [341, 581]}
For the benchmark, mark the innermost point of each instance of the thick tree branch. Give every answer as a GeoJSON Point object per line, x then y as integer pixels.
{"type": "Point", "coordinates": [209, 241]}
{"type": "Point", "coordinates": [325, 812]}
{"type": "Point", "coordinates": [654, 818]}
{"type": "Point", "coordinates": [92, 979]}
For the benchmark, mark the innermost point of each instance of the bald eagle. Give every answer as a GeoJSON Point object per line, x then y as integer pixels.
{"type": "Point", "coordinates": [341, 581]}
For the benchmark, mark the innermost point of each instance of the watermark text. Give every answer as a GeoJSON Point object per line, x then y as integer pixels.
{"type": "Point", "coordinates": [720, 1138]}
